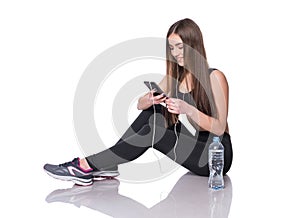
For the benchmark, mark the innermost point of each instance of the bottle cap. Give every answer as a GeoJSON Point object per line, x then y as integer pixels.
{"type": "Point", "coordinates": [216, 139]}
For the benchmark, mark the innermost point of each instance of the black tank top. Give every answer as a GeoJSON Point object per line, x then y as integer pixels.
{"type": "Point", "coordinates": [187, 97]}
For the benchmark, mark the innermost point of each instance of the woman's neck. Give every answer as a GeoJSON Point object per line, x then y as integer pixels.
{"type": "Point", "coordinates": [187, 83]}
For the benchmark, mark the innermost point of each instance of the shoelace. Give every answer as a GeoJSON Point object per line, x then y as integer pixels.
{"type": "Point", "coordinates": [68, 163]}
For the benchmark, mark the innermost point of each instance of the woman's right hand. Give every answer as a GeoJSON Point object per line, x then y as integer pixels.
{"type": "Point", "coordinates": [149, 99]}
{"type": "Point", "coordinates": [156, 99]}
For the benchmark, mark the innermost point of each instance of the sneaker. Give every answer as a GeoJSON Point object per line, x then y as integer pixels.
{"type": "Point", "coordinates": [71, 171]}
{"type": "Point", "coordinates": [105, 173]}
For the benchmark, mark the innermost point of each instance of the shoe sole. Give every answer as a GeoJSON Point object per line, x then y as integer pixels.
{"type": "Point", "coordinates": [76, 180]}
{"type": "Point", "coordinates": [105, 175]}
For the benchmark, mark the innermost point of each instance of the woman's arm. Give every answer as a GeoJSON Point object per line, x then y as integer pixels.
{"type": "Point", "coordinates": [220, 92]}
{"type": "Point", "coordinates": [144, 102]}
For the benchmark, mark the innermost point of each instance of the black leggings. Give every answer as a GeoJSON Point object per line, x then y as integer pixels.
{"type": "Point", "coordinates": [191, 151]}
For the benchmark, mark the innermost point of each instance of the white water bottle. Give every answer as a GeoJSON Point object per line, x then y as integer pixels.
{"type": "Point", "coordinates": [216, 164]}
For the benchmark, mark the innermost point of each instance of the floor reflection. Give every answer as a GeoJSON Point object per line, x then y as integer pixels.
{"type": "Point", "coordinates": [190, 197]}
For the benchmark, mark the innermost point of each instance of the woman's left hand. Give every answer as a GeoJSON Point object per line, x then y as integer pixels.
{"type": "Point", "coordinates": [177, 106]}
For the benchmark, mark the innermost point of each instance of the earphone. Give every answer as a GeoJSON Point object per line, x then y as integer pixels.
{"type": "Point", "coordinates": [154, 129]}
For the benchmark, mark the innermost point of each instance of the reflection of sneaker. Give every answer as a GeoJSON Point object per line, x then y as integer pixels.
{"type": "Point", "coordinates": [71, 171]}
{"type": "Point", "coordinates": [106, 185]}
{"type": "Point", "coordinates": [78, 194]}
{"type": "Point", "coordinates": [72, 195]}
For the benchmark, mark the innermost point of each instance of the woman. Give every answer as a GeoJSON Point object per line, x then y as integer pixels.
{"type": "Point", "coordinates": [193, 89]}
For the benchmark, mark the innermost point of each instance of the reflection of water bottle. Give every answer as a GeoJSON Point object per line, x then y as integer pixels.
{"type": "Point", "coordinates": [217, 204]}
{"type": "Point", "coordinates": [216, 164]}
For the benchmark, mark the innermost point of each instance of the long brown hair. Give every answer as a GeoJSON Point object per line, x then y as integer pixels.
{"type": "Point", "coordinates": [195, 62]}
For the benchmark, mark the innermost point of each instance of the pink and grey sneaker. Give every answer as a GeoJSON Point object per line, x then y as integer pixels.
{"type": "Point", "coordinates": [71, 171]}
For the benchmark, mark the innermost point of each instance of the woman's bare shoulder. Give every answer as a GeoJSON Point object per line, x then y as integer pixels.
{"type": "Point", "coordinates": [219, 76]}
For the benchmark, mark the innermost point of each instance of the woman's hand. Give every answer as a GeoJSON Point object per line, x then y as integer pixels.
{"type": "Point", "coordinates": [177, 106]}
{"type": "Point", "coordinates": [149, 99]}
{"type": "Point", "coordinates": [156, 99]}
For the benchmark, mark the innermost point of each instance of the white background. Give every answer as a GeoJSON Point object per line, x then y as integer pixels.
{"type": "Point", "coordinates": [45, 47]}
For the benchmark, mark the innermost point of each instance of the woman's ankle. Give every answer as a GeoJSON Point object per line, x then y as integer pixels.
{"type": "Point", "coordinates": [84, 164]}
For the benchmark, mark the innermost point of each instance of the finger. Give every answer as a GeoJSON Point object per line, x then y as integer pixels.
{"type": "Point", "coordinates": [171, 104]}
{"type": "Point", "coordinates": [162, 100]}
{"type": "Point", "coordinates": [151, 98]}
{"type": "Point", "coordinates": [158, 101]}
{"type": "Point", "coordinates": [169, 100]}
{"type": "Point", "coordinates": [171, 107]}
{"type": "Point", "coordinates": [152, 91]}
{"type": "Point", "coordinates": [159, 97]}
{"type": "Point", "coordinates": [150, 94]}
{"type": "Point", "coordinates": [172, 111]}
{"type": "Point", "coordinates": [163, 95]}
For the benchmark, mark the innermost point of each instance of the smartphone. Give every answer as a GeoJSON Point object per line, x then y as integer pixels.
{"type": "Point", "coordinates": [153, 85]}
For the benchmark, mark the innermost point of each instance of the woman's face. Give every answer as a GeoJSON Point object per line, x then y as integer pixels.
{"type": "Point", "coordinates": [176, 47]}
